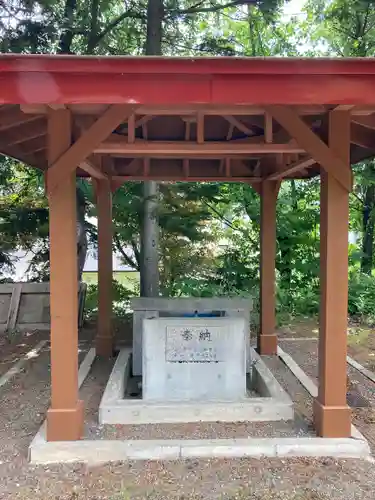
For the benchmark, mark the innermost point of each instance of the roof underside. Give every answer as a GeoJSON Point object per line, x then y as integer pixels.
{"type": "Point", "coordinates": [194, 119]}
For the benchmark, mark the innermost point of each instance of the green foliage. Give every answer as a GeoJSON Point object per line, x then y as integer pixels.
{"type": "Point", "coordinates": [120, 296]}
{"type": "Point", "coordinates": [362, 296]}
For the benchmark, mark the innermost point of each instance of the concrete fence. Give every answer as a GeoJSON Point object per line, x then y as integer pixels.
{"type": "Point", "coordinates": [26, 306]}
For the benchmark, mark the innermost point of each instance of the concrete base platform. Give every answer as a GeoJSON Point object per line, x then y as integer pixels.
{"type": "Point", "coordinates": [102, 451]}
{"type": "Point", "coordinates": [274, 403]}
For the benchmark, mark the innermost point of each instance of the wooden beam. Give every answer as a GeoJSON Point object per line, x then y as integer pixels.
{"type": "Point", "coordinates": [104, 337]}
{"type": "Point", "coordinates": [236, 123]}
{"type": "Point", "coordinates": [344, 107]}
{"type": "Point", "coordinates": [57, 106]}
{"type": "Point", "coordinates": [187, 131]}
{"type": "Point", "coordinates": [268, 128]}
{"type": "Point", "coordinates": [38, 144]}
{"type": "Point", "coordinates": [92, 169]}
{"type": "Point", "coordinates": [362, 136]}
{"type": "Point", "coordinates": [200, 128]}
{"type": "Point", "coordinates": [14, 117]}
{"type": "Point", "coordinates": [331, 413]}
{"type": "Point", "coordinates": [90, 139]}
{"type": "Point", "coordinates": [26, 132]}
{"type": "Point", "coordinates": [312, 144]}
{"type": "Point", "coordinates": [185, 167]}
{"type": "Point", "coordinates": [366, 121]}
{"type": "Point", "coordinates": [145, 131]}
{"type": "Point", "coordinates": [131, 128]}
{"type": "Point", "coordinates": [34, 109]}
{"type": "Point", "coordinates": [257, 187]}
{"type": "Point", "coordinates": [142, 121]}
{"type": "Point", "coordinates": [191, 109]}
{"type": "Point", "coordinates": [182, 177]}
{"type": "Point", "coordinates": [227, 167]}
{"type": "Point", "coordinates": [180, 149]}
{"type": "Point", "coordinates": [65, 417]}
{"type": "Point", "coordinates": [230, 132]}
{"type": "Point", "coordinates": [291, 169]}
{"type": "Point", "coordinates": [267, 339]}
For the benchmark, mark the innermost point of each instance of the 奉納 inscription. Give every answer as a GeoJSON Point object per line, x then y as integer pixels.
{"type": "Point", "coordinates": [194, 344]}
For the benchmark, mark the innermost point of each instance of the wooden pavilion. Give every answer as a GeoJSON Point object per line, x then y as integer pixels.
{"type": "Point", "coordinates": [222, 119]}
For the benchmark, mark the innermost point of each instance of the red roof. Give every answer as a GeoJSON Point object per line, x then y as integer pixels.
{"type": "Point", "coordinates": [26, 79]}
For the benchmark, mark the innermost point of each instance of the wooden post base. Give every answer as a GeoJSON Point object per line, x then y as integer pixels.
{"type": "Point", "coordinates": [65, 424]}
{"type": "Point", "coordinates": [267, 344]}
{"type": "Point", "coordinates": [332, 421]}
{"type": "Point", "coordinates": [104, 346]}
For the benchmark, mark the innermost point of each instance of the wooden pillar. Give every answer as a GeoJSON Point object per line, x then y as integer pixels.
{"type": "Point", "coordinates": [65, 416]}
{"type": "Point", "coordinates": [267, 339]}
{"type": "Point", "coordinates": [331, 413]}
{"type": "Point", "coordinates": [104, 339]}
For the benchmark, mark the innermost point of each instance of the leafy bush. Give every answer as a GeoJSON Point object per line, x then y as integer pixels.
{"type": "Point", "coordinates": [361, 301]}
{"type": "Point", "coordinates": [120, 298]}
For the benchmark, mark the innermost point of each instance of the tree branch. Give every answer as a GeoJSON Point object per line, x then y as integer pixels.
{"type": "Point", "coordinates": [196, 9]}
{"type": "Point", "coordinates": [113, 24]}
{"type": "Point", "coordinates": [136, 253]}
{"type": "Point", "coordinates": [221, 216]}
{"type": "Point", "coordinates": [358, 198]}
{"type": "Point", "coordinates": [126, 258]}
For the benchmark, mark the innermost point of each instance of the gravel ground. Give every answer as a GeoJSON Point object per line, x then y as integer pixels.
{"type": "Point", "coordinates": [300, 328]}
{"type": "Point", "coordinates": [24, 403]}
{"type": "Point", "coordinates": [305, 353]}
{"type": "Point", "coordinates": [301, 398]}
{"type": "Point", "coordinates": [200, 430]}
{"type": "Point", "coordinates": [15, 346]}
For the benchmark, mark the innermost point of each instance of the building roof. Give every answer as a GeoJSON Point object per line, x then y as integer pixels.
{"type": "Point", "coordinates": [188, 118]}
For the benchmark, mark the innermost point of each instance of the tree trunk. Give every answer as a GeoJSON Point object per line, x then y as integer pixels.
{"type": "Point", "coordinates": [150, 225]}
{"type": "Point", "coordinates": [65, 47]}
{"type": "Point", "coordinates": [82, 243]}
{"type": "Point", "coordinates": [368, 224]}
{"type": "Point", "coordinates": [93, 35]}
{"type": "Point", "coordinates": [66, 38]}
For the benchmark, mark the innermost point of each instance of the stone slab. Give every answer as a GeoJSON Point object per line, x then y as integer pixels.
{"type": "Point", "coordinates": [104, 451]}
{"type": "Point", "coordinates": [114, 409]}
{"type": "Point", "coordinates": [194, 359]}
{"type": "Point", "coordinates": [151, 307]}
{"type": "Point", "coordinates": [365, 371]}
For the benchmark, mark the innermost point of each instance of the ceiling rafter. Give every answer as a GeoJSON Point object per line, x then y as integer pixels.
{"type": "Point", "coordinates": [362, 136]}
{"type": "Point", "coordinates": [366, 121]}
{"type": "Point", "coordinates": [238, 124]}
{"type": "Point", "coordinates": [12, 118]}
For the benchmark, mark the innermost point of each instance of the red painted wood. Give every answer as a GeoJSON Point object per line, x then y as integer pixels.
{"type": "Point", "coordinates": [178, 65]}
{"type": "Point", "coordinates": [167, 81]}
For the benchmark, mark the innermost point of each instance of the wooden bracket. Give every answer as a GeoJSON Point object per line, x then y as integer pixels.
{"type": "Point", "coordinates": [313, 145]}
{"type": "Point", "coordinates": [87, 142]}
{"type": "Point", "coordinates": [291, 169]}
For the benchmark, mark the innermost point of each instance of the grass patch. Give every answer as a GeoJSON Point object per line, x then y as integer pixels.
{"type": "Point", "coordinates": [358, 336]}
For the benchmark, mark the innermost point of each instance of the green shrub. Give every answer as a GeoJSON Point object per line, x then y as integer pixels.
{"type": "Point", "coordinates": [361, 301]}
{"type": "Point", "coordinates": [120, 295]}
